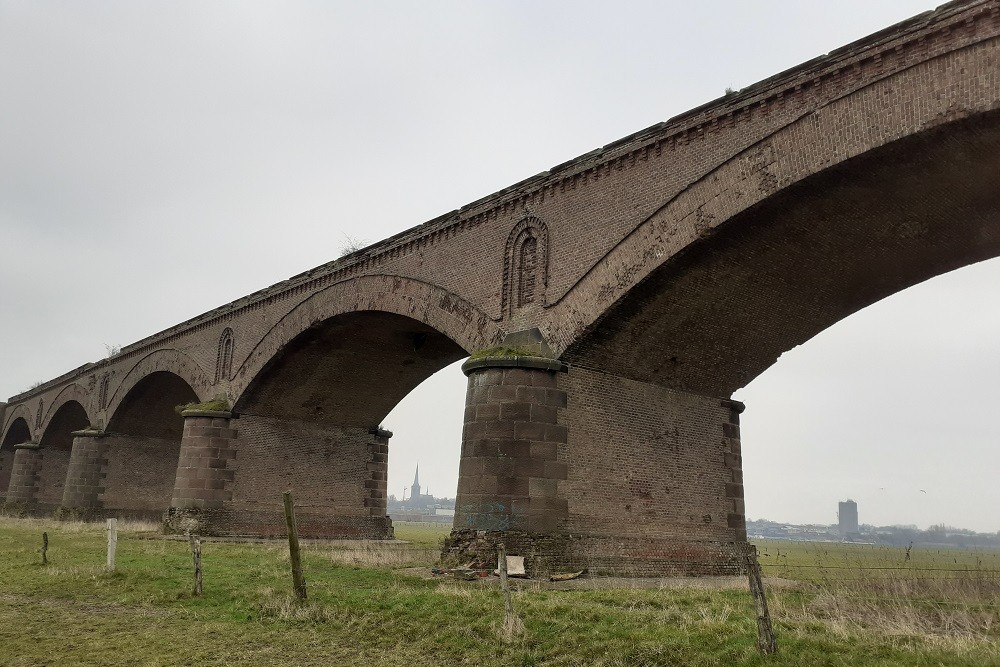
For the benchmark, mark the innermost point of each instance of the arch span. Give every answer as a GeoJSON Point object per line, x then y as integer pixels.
{"type": "Point", "coordinates": [714, 316]}
{"type": "Point", "coordinates": [56, 446]}
{"type": "Point", "coordinates": [436, 308]}
{"type": "Point", "coordinates": [18, 432]}
{"type": "Point", "coordinates": [166, 360]}
{"type": "Point", "coordinates": [21, 413]}
{"type": "Point", "coordinates": [72, 392]}
{"type": "Point", "coordinates": [310, 419]}
{"type": "Point", "coordinates": [836, 129]}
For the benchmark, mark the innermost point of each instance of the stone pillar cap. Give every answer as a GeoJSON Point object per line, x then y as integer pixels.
{"type": "Point", "coordinates": [514, 361]}
{"type": "Point", "coordinates": [27, 445]}
{"type": "Point", "coordinates": [89, 433]}
{"type": "Point", "coordinates": [220, 414]}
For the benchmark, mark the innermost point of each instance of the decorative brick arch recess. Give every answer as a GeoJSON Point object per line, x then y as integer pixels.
{"type": "Point", "coordinates": [526, 266]}
{"type": "Point", "coordinates": [20, 411]}
{"type": "Point", "coordinates": [169, 360]}
{"type": "Point", "coordinates": [72, 392]}
{"type": "Point", "coordinates": [813, 144]}
{"type": "Point", "coordinates": [224, 356]}
{"type": "Point", "coordinates": [444, 311]}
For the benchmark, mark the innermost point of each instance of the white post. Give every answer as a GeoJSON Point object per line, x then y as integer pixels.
{"type": "Point", "coordinates": [112, 543]}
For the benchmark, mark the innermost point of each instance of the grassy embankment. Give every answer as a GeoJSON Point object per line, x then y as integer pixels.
{"type": "Point", "coordinates": [362, 610]}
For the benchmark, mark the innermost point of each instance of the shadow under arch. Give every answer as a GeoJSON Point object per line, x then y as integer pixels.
{"type": "Point", "coordinates": [18, 432]}
{"type": "Point", "coordinates": [20, 412]}
{"type": "Point", "coordinates": [72, 392]}
{"type": "Point", "coordinates": [55, 448]}
{"type": "Point", "coordinates": [434, 307]}
{"type": "Point", "coordinates": [169, 361]}
{"type": "Point", "coordinates": [142, 445]}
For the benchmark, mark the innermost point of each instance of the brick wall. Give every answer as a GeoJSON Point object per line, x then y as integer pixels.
{"type": "Point", "coordinates": [337, 476]}
{"type": "Point", "coordinates": [140, 475]}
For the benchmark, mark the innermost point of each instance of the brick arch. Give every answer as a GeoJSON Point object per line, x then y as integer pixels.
{"type": "Point", "coordinates": [827, 139]}
{"type": "Point", "coordinates": [439, 309]}
{"type": "Point", "coordinates": [71, 392]}
{"type": "Point", "coordinates": [21, 412]}
{"type": "Point", "coordinates": [811, 144]}
{"type": "Point", "coordinates": [166, 360]}
{"type": "Point", "coordinates": [717, 314]}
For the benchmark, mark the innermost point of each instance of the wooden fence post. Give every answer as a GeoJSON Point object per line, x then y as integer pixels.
{"type": "Point", "coordinates": [112, 543]}
{"type": "Point", "coordinates": [45, 548]}
{"type": "Point", "coordinates": [512, 624]}
{"type": "Point", "coordinates": [195, 542]}
{"type": "Point", "coordinates": [766, 641]}
{"type": "Point", "coordinates": [298, 581]}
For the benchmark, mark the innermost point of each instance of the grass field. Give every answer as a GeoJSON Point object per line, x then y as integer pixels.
{"type": "Point", "coordinates": [940, 609]}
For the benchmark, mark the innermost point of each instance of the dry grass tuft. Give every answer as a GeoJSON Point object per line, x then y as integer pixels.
{"type": "Point", "coordinates": [511, 629]}
{"type": "Point", "coordinates": [382, 555]}
{"type": "Point", "coordinates": [274, 606]}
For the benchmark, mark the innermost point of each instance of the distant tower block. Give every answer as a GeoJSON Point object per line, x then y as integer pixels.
{"type": "Point", "coordinates": [847, 514]}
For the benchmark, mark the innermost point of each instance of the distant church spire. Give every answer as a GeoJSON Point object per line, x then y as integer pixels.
{"type": "Point", "coordinates": [415, 489]}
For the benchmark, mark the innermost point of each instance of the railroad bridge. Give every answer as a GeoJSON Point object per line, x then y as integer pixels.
{"type": "Point", "coordinates": [611, 306]}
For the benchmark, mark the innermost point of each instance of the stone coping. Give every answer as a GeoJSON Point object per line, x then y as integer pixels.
{"type": "Point", "coordinates": [88, 433]}
{"type": "Point", "coordinates": [218, 414]}
{"type": "Point", "coordinates": [537, 363]}
{"type": "Point", "coordinates": [27, 445]}
{"type": "Point", "coordinates": [380, 433]}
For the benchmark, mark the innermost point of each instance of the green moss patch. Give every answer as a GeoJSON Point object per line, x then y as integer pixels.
{"type": "Point", "coordinates": [220, 404]}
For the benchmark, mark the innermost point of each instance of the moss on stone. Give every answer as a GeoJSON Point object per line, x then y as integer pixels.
{"type": "Point", "coordinates": [219, 404]}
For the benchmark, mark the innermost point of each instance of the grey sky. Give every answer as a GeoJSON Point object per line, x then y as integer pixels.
{"type": "Point", "coordinates": [158, 159]}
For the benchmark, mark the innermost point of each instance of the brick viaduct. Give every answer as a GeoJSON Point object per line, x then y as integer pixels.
{"type": "Point", "coordinates": [639, 286]}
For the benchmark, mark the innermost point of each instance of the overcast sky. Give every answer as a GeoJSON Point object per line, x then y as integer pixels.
{"type": "Point", "coordinates": [158, 159]}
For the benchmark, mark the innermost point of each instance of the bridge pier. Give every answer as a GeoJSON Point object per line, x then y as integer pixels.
{"type": "Point", "coordinates": [205, 475]}
{"type": "Point", "coordinates": [85, 475]}
{"type": "Point", "coordinates": [23, 485]}
{"type": "Point", "coordinates": [232, 473]}
{"type": "Point", "coordinates": [584, 469]}
{"type": "Point", "coordinates": [513, 461]}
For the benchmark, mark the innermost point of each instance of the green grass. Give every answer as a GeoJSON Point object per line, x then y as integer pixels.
{"type": "Point", "coordinates": [72, 612]}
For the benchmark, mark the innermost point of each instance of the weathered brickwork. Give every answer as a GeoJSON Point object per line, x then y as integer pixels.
{"type": "Point", "coordinates": [205, 475]}
{"type": "Point", "coordinates": [23, 487]}
{"type": "Point", "coordinates": [509, 474]}
{"type": "Point", "coordinates": [85, 474]}
{"type": "Point", "coordinates": [337, 476]}
{"type": "Point", "coordinates": [140, 475]}
{"type": "Point", "coordinates": [665, 270]}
